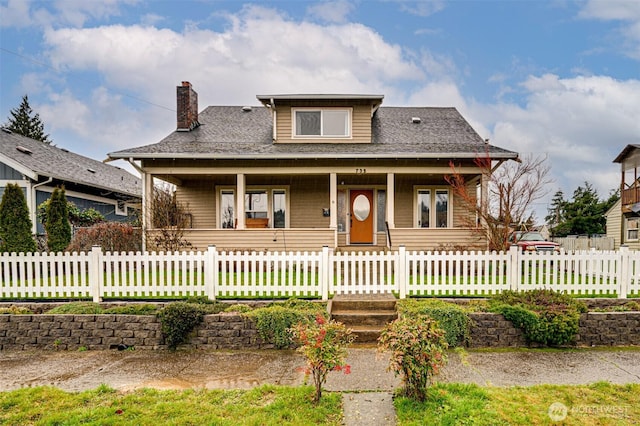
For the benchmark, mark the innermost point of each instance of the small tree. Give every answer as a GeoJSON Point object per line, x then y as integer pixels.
{"type": "Point", "coordinates": [57, 224]}
{"type": "Point", "coordinates": [111, 236]}
{"type": "Point", "coordinates": [418, 350]}
{"type": "Point", "coordinates": [169, 220]}
{"type": "Point", "coordinates": [77, 217]}
{"type": "Point", "coordinates": [324, 345]}
{"type": "Point", "coordinates": [512, 189]}
{"type": "Point", "coordinates": [15, 223]}
{"type": "Point", "coordinates": [23, 122]}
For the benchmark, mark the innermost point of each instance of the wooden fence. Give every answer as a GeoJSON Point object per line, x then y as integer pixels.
{"type": "Point", "coordinates": [217, 274]}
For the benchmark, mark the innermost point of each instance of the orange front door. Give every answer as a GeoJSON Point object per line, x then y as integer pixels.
{"type": "Point", "coordinates": [361, 231]}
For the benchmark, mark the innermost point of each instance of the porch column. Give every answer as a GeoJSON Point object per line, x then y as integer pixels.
{"type": "Point", "coordinates": [240, 201]}
{"type": "Point", "coordinates": [333, 201]}
{"type": "Point", "coordinates": [391, 212]}
{"type": "Point", "coordinates": [147, 205]}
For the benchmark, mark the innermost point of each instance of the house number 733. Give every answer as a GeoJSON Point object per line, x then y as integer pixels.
{"type": "Point", "coordinates": [361, 171]}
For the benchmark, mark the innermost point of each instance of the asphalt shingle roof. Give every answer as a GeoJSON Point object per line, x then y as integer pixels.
{"type": "Point", "coordinates": [230, 132]}
{"type": "Point", "coordinates": [51, 161]}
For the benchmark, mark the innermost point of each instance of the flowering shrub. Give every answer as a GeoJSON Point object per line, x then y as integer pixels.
{"type": "Point", "coordinates": [417, 349]}
{"type": "Point", "coordinates": [324, 345]}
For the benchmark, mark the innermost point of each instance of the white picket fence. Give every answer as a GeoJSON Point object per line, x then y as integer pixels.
{"type": "Point", "coordinates": [218, 274]}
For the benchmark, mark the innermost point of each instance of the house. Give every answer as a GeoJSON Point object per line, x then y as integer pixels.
{"type": "Point", "coordinates": [39, 168]}
{"type": "Point", "coordinates": [308, 171]}
{"type": "Point", "coordinates": [623, 219]}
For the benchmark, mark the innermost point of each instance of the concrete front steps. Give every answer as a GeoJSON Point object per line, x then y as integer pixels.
{"type": "Point", "coordinates": [365, 314]}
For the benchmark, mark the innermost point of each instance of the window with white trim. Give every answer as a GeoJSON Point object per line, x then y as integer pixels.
{"type": "Point", "coordinates": [433, 209]}
{"type": "Point", "coordinates": [631, 225]}
{"type": "Point", "coordinates": [268, 204]}
{"type": "Point", "coordinates": [319, 123]}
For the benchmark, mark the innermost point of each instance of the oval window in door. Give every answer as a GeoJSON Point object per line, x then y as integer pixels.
{"type": "Point", "coordinates": [361, 207]}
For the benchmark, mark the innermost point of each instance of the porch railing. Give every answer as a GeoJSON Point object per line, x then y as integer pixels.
{"type": "Point", "coordinates": [218, 274]}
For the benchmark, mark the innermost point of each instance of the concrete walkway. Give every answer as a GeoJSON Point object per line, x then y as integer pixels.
{"type": "Point", "coordinates": [367, 391]}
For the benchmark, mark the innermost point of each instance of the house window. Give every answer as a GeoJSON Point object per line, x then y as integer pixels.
{"type": "Point", "coordinates": [322, 123]}
{"type": "Point", "coordinates": [262, 207]}
{"type": "Point", "coordinates": [382, 206]}
{"type": "Point", "coordinates": [432, 208]}
{"type": "Point", "coordinates": [342, 210]}
{"type": "Point", "coordinates": [632, 228]}
{"type": "Point", "coordinates": [279, 209]}
{"type": "Point", "coordinates": [227, 207]}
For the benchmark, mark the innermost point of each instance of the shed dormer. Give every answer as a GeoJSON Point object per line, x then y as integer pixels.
{"type": "Point", "coordinates": [322, 118]}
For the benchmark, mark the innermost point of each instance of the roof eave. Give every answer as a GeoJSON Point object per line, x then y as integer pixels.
{"type": "Point", "coordinates": [200, 156]}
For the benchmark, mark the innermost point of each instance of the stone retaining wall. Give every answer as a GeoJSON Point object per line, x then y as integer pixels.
{"type": "Point", "coordinates": [232, 331]}
{"type": "Point", "coordinates": [97, 332]}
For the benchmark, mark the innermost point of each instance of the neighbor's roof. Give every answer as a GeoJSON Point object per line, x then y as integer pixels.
{"type": "Point", "coordinates": [37, 159]}
{"type": "Point", "coordinates": [232, 132]}
{"type": "Point", "coordinates": [625, 152]}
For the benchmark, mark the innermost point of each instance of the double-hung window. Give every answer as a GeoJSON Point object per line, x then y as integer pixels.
{"type": "Point", "coordinates": [321, 123]}
{"type": "Point", "coordinates": [433, 209]}
{"type": "Point", "coordinates": [632, 228]}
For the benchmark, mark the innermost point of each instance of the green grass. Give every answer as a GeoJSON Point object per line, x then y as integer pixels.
{"type": "Point", "coordinates": [266, 405]}
{"type": "Point", "coordinates": [467, 404]}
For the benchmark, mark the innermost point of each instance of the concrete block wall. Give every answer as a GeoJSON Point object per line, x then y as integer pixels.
{"type": "Point", "coordinates": [233, 331]}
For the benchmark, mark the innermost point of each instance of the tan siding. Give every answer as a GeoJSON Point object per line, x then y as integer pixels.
{"type": "Point", "coordinates": [404, 202]}
{"type": "Point", "coordinates": [308, 196]}
{"type": "Point", "coordinates": [614, 224]}
{"type": "Point", "coordinates": [199, 197]}
{"type": "Point", "coordinates": [262, 239]}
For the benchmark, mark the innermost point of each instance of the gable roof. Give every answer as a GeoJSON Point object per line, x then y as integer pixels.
{"type": "Point", "coordinates": [36, 159]}
{"type": "Point", "coordinates": [625, 152]}
{"type": "Point", "coordinates": [237, 132]}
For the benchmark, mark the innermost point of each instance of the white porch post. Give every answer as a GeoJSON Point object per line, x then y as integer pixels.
{"type": "Point", "coordinates": [147, 205]}
{"type": "Point", "coordinates": [333, 200]}
{"type": "Point", "coordinates": [240, 201]}
{"type": "Point", "coordinates": [333, 206]}
{"type": "Point", "coordinates": [391, 215]}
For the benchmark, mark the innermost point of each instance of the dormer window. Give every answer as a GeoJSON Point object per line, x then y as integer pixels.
{"type": "Point", "coordinates": [322, 122]}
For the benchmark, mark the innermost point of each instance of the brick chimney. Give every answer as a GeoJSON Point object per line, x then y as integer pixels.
{"type": "Point", "coordinates": [187, 105]}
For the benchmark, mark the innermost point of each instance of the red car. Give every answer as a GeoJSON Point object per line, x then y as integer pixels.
{"type": "Point", "coordinates": [532, 241]}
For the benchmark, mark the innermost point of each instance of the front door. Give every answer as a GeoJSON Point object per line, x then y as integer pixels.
{"type": "Point", "coordinates": [361, 231]}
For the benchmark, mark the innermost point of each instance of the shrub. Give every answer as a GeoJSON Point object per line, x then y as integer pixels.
{"type": "Point", "coordinates": [77, 308]}
{"type": "Point", "coordinates": [273, 322]}
{"type": "Point", "coordinates": [324, 346]}
{"type": "Point", "coordinates": [15, 310]}
{"type": "Point", "coordinates": [57, 224]}
{"type": "Point", "coordinates": [133, 309]}
{"type": "Point", "coordinates": [15, 222]}
{"type": "Point", "coordinates": [418, 350]}
{"type": "Point", "coordinates": [452, 318]}
{"type": "Point", "coordinates": [545, 316]}
{"type": "Point", "coordinates": [110, 236]}
{"type": "Point", "coordinates": [178, 319]}
{"type": "Point", "coordinates": [239, 308]}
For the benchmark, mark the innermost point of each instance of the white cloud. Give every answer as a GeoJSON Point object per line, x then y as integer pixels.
{"type": "Point", "coordinates": [15, 14]}
{"type": "Point", "coordinates": [261, 51]}
{"type": "Point", "coordinates": [580, 123]}
{"type": "Point", "coordinates": [627, 12]}
{"type": "Point", "coordinates": [332, 11]}
{"type": "Point", "coordinates": [421, 8]}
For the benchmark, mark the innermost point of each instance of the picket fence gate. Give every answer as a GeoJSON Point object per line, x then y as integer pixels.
{"type": "Point", "coordinates": [218, 274]}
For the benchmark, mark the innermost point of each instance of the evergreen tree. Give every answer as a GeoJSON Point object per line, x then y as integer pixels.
{"type": "Point", "coordinates": [57, 225]}
{"type": "Point", "coordinates": [15, 223]}
{"type": "Point", "coordinates": [23, 122]}
{"type": "Point", "coordinates": [556, 214]}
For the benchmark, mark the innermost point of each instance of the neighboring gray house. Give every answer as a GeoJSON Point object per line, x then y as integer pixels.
{"type": "Point", "coordinates": [39, 168]}
{"type": "Point", "coordinates": [303, 171]}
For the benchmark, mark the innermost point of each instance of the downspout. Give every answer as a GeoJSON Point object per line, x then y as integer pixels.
{"type": "Point", "coordinates": [34, 213]}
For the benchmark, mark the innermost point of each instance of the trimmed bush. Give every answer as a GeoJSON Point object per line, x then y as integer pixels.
{"type": "Point", "coordinates": [15, 223]}
{"type": "Point", "coordinates": [57, 225]}
{"type": "Point", "coordinates": [274, 321]}
{"type": "Point", "coordinates": [178, 320]}
{"type": "Point", "coordinates": [452, 318]}
{"type": "Point", "coordinates": [77, 308]}
{"type": "Point", "coordinates": [545, 316]}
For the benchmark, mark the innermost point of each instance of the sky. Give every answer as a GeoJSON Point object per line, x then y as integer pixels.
{"type": "Point", "coordinates": [555, 78]}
